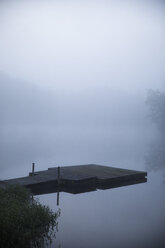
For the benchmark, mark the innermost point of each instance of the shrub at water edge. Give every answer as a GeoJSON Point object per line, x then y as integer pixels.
{"type": "Point", "coordinates": [24, 222]}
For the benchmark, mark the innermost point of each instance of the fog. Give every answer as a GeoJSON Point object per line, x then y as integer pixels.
{"type": "Point", "coordinates": [64, 127]}
{"type": "Point", "coordinates": [73, 45]}
{"type": "Point", "coordinates": [155, 159]}
{"type": "Point", "coordinates": [74, 79]}
{"type": "Point", "coordinates": [83, 82]}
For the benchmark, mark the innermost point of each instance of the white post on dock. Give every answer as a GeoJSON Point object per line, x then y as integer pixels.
{"type": "Point", "coordinates": [33, 165]}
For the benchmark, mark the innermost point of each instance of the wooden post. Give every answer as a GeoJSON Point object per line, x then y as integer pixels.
{"type": "Point", "coordinates": [58, 181]}
{"type": "Point", "coordinates": [33, 165]}
{"type": "Point", "coordinates": [58, 197]}
{"type": "Point", "coordinates": [58, 175]}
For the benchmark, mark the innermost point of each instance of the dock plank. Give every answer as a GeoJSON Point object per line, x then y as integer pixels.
{"type": "Point", "coordinates": [82, 176]}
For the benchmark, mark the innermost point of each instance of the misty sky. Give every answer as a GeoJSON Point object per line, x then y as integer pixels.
{"type": "Point", "coordinates": [74, 79]}
{"type": "Point", "coordinates": [77, 44]}
{"type": "Point", "coordinates": [74, 76]}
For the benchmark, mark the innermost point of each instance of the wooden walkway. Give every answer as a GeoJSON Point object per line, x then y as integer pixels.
{"type": "Point", "coordinates": [78, 179]}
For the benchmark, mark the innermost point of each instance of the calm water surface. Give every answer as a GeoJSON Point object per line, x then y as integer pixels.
{"type": "Point", "coordinates": [130, 216]}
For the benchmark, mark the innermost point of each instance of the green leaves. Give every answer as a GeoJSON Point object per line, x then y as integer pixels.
{"type": "Point", "coordinates": [24, 222]}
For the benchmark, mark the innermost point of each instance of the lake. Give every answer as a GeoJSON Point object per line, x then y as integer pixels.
{"type": "Point", "coordinates": [129, 216]}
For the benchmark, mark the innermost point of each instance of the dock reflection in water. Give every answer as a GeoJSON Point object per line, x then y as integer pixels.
{"type": "Point", "coordinates": [49, 188]}
{"type": "Point", "coordinates": [79, 181]}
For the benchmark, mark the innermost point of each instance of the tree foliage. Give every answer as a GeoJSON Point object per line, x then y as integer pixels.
{"type": "Point", "coordinates": [24, 222]}
{"type": "Point", "coordinates": [156, 102]}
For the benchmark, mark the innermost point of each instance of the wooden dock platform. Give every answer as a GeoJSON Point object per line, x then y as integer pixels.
{"type": "Point", "coordinates": [78, 179]}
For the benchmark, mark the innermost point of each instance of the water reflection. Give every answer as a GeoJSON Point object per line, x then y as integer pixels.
{"type": "Point", "coordinates": [48, 188]}
{"type": "Point", "coordinates": [122, 217]}
{"type": "Point", "coordinates": [155, 158]}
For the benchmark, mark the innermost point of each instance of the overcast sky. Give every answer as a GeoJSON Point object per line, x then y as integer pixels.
{"type": "Point", "coordinates": [74, 73]}
{"type": "Point", "coordinates": [77, 44]}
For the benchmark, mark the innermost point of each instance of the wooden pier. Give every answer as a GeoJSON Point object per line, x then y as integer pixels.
{"type": "Point", "coordinates": [78, 179]}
